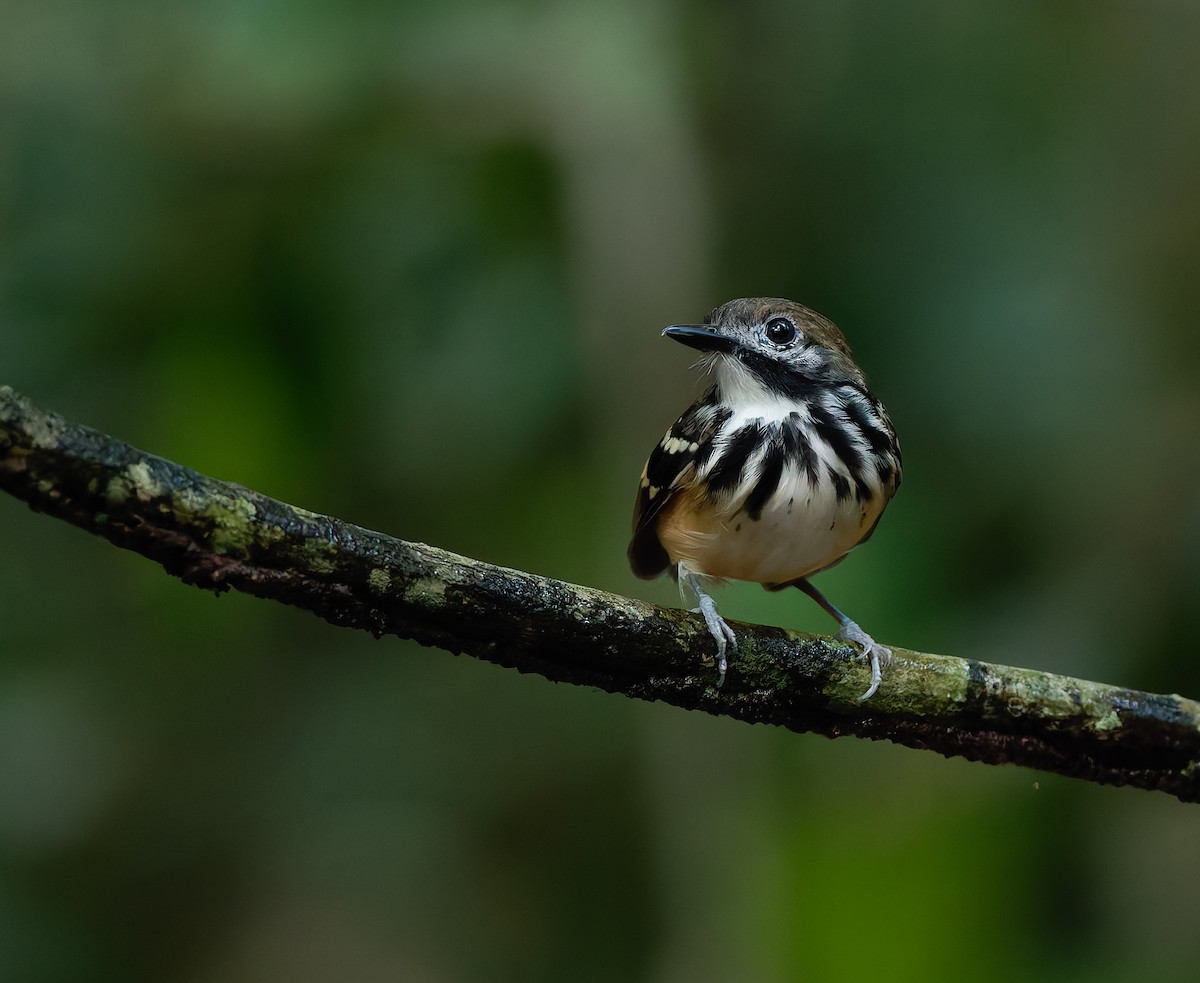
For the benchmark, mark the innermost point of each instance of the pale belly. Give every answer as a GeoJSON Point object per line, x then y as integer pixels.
{"type": "Point", "coordinates": [800, 531]}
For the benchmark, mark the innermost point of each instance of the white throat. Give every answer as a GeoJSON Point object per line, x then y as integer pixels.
{"type": "Point", "coordinates": [744, 393]}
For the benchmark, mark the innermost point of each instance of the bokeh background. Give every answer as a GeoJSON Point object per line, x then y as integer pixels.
{"type": "Point", "coordinates": [407, 264]}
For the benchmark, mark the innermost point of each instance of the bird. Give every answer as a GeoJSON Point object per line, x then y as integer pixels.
{"type": "Point", "coordinates": [782, 467]}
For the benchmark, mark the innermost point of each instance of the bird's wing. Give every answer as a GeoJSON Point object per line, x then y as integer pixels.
{"type": "Point", "coordinates": [672, 465]}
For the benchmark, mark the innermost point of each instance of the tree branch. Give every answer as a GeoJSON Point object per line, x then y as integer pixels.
{"type": "Point", "coordinates": [216, 535]}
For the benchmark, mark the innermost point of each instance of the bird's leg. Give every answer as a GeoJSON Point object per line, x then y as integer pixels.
{"type": "Point", "coordinates": [870, 650]}
{"type": "Point", "coordinates": [716, 624]}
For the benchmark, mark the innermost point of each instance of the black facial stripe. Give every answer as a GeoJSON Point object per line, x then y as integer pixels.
{"type": "Point", "coordinates": [777, 377]}
{"type": "Point", "coordinates": [727, 473]}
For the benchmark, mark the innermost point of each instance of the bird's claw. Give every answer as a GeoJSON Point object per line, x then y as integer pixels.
{"type": "Point", "coordinates": [871, 652]}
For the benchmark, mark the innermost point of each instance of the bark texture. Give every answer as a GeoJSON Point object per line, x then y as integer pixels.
{"type": "Point", "coordinates": [218, 535]}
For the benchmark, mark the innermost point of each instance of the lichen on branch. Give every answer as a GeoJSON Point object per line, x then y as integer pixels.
{"type": "Point", "coordinates": [218, 535]}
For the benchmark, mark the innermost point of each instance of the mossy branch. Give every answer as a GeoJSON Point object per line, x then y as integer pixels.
{"type": "Point", "coordinates": [217, 535]}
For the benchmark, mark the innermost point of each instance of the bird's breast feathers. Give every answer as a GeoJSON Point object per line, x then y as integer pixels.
{"type": "Point", "coordinates": [764, 488]}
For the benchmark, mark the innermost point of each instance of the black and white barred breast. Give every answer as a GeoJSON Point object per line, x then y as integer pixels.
{"type": "Point", "coordinates": [765, 486]}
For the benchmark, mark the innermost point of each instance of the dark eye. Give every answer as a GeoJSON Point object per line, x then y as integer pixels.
{"type": "Point", "coordinates": [780, 331]}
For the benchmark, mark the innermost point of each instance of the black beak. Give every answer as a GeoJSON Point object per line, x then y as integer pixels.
{"type": "Point", "coordinates": [702, 336]}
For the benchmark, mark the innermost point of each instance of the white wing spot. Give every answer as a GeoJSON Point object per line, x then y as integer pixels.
{"type": "Point", "coordinates": [674, 445]}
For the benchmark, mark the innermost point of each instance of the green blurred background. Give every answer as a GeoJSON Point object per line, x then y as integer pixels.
{"type": "Point", "coordinates": [407, 264]}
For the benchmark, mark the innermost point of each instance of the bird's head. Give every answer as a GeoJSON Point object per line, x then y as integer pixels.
{"type": "Point", "coordinates": [782, 346]}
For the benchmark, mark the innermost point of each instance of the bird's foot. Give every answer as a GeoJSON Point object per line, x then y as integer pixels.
{"type": "Point", "coordinates": [870, 651]}
{"type": "Point", "coordinates": [720, 631]}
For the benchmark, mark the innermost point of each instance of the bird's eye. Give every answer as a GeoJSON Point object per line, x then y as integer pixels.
{"type": "Point", "coordinates": [780, 331]}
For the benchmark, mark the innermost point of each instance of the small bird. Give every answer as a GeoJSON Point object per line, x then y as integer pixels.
{"type": "Point", "coordinates": [781, 468]}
